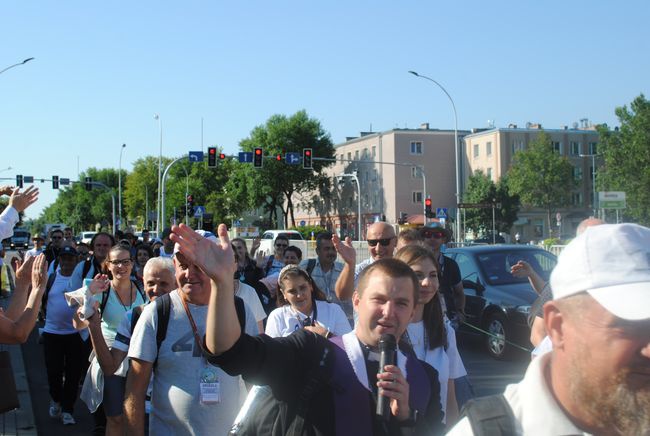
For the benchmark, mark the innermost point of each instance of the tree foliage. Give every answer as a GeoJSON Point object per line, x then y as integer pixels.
{"type": "Point", "coordinates": [481, 189]}
{"type": "Point", "coordinates": [626, 154]}
{"type": "Point", "coordinates": [541, 177]}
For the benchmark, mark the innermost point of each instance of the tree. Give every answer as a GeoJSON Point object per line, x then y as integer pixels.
{"type": "Point", "coordinates": [626, 154]}
{"type": "Point", "coordinates": [541, 177]}
{"type": "Point", "coordinates": [275, 183]}
{"type": "Point", "coordinates": [481, 189]}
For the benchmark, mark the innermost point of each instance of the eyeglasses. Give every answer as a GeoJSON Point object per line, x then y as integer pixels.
{"type": "Point", "coordinates": [56, 238]}
{"type": "Point", "coordinates": [281, 245]}
{"type": "Point", "coordinates": [383, 242]}
{"type": "Point", "coordinates": [430, 234]}
{"type": "Point", "coordinates": [120, 262]}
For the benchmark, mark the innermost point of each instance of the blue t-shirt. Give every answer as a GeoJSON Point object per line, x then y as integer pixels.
{"type": "Point", "coordinates": [114, 312]}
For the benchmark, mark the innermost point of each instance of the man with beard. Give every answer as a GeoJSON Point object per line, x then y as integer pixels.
{"type": "Point", "coordinates": [596, 379]}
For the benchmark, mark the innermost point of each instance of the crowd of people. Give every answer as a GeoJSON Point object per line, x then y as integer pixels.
{"type": "Point", "coordinates": [198, 334]}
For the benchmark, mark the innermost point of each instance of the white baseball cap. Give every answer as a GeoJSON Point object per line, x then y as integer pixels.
{"type": "Point", "coordinates": [612, 263]}
{"type": "Point", "coordinates": [208, 235]}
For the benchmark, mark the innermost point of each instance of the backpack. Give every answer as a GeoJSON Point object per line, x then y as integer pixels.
{"type": "Point", "coordinates": [311, 264]}
{"type": "Point", "coordinates": [490, 416]}
{"type": "Point", "coordinates": [104, 301]}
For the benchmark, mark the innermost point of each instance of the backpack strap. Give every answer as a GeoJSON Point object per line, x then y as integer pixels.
{"type": "Point", "coordinates": [104, 302]}
{"type": "Point", "coordinates": [48, 286]}
{"type": "Point", "coordinates": [490, 416]}
{"type": "Point", "coordinates": [87, 264]}
{"type": "Point", "coordinates": [140, 290]}
{"type": "Point", "coordinates": [135, 316]}
{"type": "Point", "coordinates": [163, 309]}
{"type": "Point", "coordinates": [311, 264]}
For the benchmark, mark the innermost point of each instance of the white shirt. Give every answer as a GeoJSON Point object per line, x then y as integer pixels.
{"type": "Point", "coordinates": [326, 282]}
{"type": "Point", "coordinates": [533, 405]}
{"type": "Point", "coordinates": [8, 219]}
{"type": "Point", "coordinates": [284, 320]}
{"type": "Point", "coordinates": [248, 294]}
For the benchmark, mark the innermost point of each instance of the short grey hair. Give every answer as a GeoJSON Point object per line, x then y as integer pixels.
{"type": "Point", "coordinates": [159, 262]}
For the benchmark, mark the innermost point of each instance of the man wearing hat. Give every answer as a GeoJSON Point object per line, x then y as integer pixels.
{"type": "Point", "coordinates": [596, 380]}
{"type": "Point", "coordinates": [38, 242]}
{"type": "Point", "coordinates": [451, 283]}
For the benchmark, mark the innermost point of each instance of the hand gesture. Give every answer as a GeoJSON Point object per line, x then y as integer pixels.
{"type": "Point", "coordinates": [521, 269]}
{"type": "Point", "coordinates": [256, 244]}
{"type": "Point", "coordinates": [319, 329]}
{"type": "Point", "coordinates": [24, 270]}
{"type": "Point", "coordinates": [39, 273]}
{"type": "Point", "coordinates": [6, 190]}
{"type": "Point", "coordinates": [99, 284]}
{"type": "Point", "coordinates": [21, 201]}
{"type": "Point", "coordinates": [217, 260]}
{"type": "Point", "coordinates": [393, 385]}
{"type": "Point", "coordinates": [260, 258]}
{"type": "Point", "coordinates": [345, 249]}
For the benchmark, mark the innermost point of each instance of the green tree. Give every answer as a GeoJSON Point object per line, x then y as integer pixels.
{"type": "Point", "coordinates": [541, 177]}
{"type": "Point", "coordinates": [275, 184]}
{"type": "Point", "coordinates": [626, 154]}
{"type": "Point", "coordinates": [481, 189]}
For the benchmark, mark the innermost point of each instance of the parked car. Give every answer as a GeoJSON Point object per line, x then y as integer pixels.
{"type": "Point", "coordinates": [20, 239]}
{"type": "Point", "coordinates": [268, 239]}
{"type": "Point", "coordinates": [496, 301]}
{"type": "Point", "coordinates": [86, 237]}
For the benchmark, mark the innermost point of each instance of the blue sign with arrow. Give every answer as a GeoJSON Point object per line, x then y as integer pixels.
{"type": "Point", "coordinates": [245, 156]}
{"type": "Point", "coordinates": [292, 158]}
{"type": "Point", "coordinates": [196, 156]}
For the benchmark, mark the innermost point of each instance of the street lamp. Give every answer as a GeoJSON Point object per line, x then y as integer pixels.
{"type": "Point", "coordinates": [119, 189]}
{"type": "Point", "coordinates": [356, 179]}
{"type": "Point", "coordinates": [594, 199]}
{"type": "Point", "coordinates": [15, 65]}
{"type": "Point", "coordinates": [158, 217]}
{"type": "Point", "coordinates": [6, 169]}
{"type": "Point", "coordinates": [456, 151]}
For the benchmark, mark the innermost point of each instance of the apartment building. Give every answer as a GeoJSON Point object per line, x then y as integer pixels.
{"type": "Point", "coordinates": [492, 150]}
{"type": "Point", "coordinates": [387, 165]}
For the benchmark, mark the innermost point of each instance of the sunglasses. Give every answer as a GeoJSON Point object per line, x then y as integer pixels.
{"type": "Point", "coordinates": [383, 242]}
{"type": "Point", "coordinates": [436, 235]}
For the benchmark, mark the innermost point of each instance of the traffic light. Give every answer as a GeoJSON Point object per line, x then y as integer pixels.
{"type": "Point", "coordinates": [190, 200]}
{"type": "Point", "coordinates": [89, 183]}
{"type": "Point", "coordinates": [55, 182]}
{"type": "Point", "coordinates": [19, 180]}
{"type": "Point", "coordinates": [258, 155]}
{"type": "Point", "coordinates": [427, 208]}
{"type": "Point", "coordinates": [403, 217]}
{"type": "Point", "coordinates": [278, 157]}
{"type": "Point", "coordinates": [306, 158]}
{"type": "Point", "coordinates": [212, 157]}
{"type": "Point", "coordinates": [222, 156]}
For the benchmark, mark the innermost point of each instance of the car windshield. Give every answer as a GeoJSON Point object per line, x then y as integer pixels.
{"type": "Point", "coordinates": [496, 265]}
{"type": "Point", "coordinates": [292, 236]}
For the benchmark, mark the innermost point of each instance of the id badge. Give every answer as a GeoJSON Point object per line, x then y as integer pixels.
{"type": "Point", "coordinates": [209, 387]}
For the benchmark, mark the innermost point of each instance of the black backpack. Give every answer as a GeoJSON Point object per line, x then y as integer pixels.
{"type": "Point", "coordinates": [311, 264]}
{"type": "Point", "coordinates": [50, 281]}
{"type": "Point", "coordinates": [104, 302]}
{"type": "Point", "coordinates": [490, 416]}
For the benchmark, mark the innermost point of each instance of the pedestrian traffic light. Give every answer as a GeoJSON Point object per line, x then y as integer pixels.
{"type": "Point", "coordinates": [427, 208]}
{"type": "Point", "coordinates": [89, 183]}
{"type": "Point", "coordinates": [212, 157]}
{"type": "Point", "coordinates": [306, 158]}
{"type": "Point", "coordinates": [258, 155]}
{"type": "Point", "coordinates": [19, 180]}
{"type": "Point", "coordinates": [55, 182]}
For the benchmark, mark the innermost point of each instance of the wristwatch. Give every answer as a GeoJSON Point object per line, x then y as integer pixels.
{"type": "Point", "coordinates": [411, 420]}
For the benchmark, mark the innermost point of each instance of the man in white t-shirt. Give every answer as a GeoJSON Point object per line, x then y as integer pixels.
{"type": "Point", "coordinates": [189, 395]}
{"type": "Point", "coordinates": [38, 242]}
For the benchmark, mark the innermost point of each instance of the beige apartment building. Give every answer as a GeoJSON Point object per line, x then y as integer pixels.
{"type": "Point", "coordinates": [492, 150]}
{"type": "Point", "coordinates": [387, 165]}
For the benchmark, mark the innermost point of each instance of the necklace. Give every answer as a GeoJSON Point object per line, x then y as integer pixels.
{"type": "Point", "coordinates": [126, 309]}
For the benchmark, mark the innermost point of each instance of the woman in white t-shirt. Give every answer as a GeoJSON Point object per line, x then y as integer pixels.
{"type": "Point", "coordinates": [430, 333]}
{"type": "Point", "coordinates": [302, 305]}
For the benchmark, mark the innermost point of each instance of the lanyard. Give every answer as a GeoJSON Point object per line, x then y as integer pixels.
{"type": "Point", "coordinates": [195, 330]}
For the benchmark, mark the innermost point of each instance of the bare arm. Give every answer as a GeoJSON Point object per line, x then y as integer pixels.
{"type": "Point", "coordinates": [21, 292]}
{"type": "Point", "coordinates": [345, 283]}
{"type": "Point", "coordinates": [537, 331]}
{"type": "Point", "coordinates": [137, 382]}
{"type": "Point", "coordinates": [523, 269]}
{"type": "Point", "coordinates": [452, 405]}
{"type": "Point", "coordinates": [109, 359]}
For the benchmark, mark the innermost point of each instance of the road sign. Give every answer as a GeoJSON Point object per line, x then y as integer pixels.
{"type": "Point", "coordinates": [199, 211]}
{"type": "Point", "coordinates": [302, 223]}
{"type": "Point", "coordinates": [245, 156]}
{"type": "Point", "coordinates": [441, 212]}
{"type": "Point", "coordinates": [64, 182]}
{"type": "Point", "coordinates": [610, 200]}
{"type": "Point", "coordinates": [237, 223]}
{"type": "Point", "coordinates": [28, 179]}
{"type": "Point", "coordinates": [196, 156]}
{"type": "Point", "coordinates": [292, 158]}
{"type": "Point", "coordinates": [475, 205]}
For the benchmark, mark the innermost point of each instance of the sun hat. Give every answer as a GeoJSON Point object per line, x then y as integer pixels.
{"type": "Point", "coordinates": [612, 263]}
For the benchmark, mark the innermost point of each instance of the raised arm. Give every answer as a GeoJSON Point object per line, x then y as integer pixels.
{"type": "Point", "coordinates": [21, 291]}
{"type": "Point", "coordinates": [345, 283]}
{"type": "Point", "coordinates": [109, 359]}
{"type": "Point", "coordinates": [524, 269]}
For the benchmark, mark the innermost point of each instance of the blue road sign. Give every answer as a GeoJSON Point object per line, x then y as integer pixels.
{"type": "Point", "coordinates": [28, 179]}
{"type": "Point", "coordinates": [196, 156]}
{"type": "Point", "coordinates": [302, 223]}
{"type": "Point", "coordinates": [64, 182]}
{"type": "Point", "coordinates": [245, 156]}
{"type": "Point", "coordinates": [199, 211]}
{"type": "Point", "coordinates": [292, 158]}
{"type": "Point", "coordinates": [441, 212]}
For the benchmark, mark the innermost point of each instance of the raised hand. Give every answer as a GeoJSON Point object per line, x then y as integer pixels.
{"type": "Point", "coordinates": [99, 284]}
{"type": "Point", "coordinates": [24, 269]}
{"type": "Point", "coordinates": [39, 273]}
{"type": "Point", "coordinates": [521, 269]}
{"type": "Point", "coordinates": [345, 249]}
{"type": "Point", "coordinates": [217, 260]}
{"type": "Point", "coordinates": [22, 200]}
{"type": "Point", "coordinates": [6, 190]}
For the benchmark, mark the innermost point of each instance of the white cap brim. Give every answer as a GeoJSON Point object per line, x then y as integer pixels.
{"type": "Point", "coordinates": [630, 301]}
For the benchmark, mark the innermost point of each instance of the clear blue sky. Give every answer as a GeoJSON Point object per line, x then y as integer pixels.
{"type": "Point", "coordinates": [102, 69]}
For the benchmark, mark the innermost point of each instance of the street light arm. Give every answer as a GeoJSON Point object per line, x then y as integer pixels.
{"type": "Point", "coordinates": [15, 65]}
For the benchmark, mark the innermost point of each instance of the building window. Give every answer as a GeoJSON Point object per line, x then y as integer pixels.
{"type": "Point", "coordinates": [577, 174]}
{"type": "Point", "coordinates": [576, 199]}
{"type": "Point", "coordinates": [414, 172]}
{"type": "Point", "coordinates": [557, 146]}
{"type": "Point", "coordinates": [374, 175]}
{"type": "Point", "coordinates": [416, 147]}
{"type": "Point", "coordinates": [593, 148]}
{"type": "Point", "coordinates": [365, 153]}
{"type": "Point", "coordinates": [349, 156]}
{"type": "Point", "coordinates": [475, 151]}
{"type": "Point", "coordinates": [575, 148]}
{"type": "Point", "coordinates": [488, 149]}
{"type": "Point", "coordinates": [488, 172]}
{"type": "Point", "coordinates": [356, 154]}
{"type": "Point", "coordinates": [374, 151]}
{"type": "Point", "coordinates": [417, 197]}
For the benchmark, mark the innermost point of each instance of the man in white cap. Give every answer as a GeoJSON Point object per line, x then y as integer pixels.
{"type": "Point", "coordinates": [597, 378]}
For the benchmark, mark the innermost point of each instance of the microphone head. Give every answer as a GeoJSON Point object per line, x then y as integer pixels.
{"type": "Point", "coordinates": [387, 342]}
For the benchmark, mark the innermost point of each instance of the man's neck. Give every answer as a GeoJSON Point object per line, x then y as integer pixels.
{"type": "Point", "coordinates": [325, 266]}
{"type": "Point", "coordinates": [195, 299]}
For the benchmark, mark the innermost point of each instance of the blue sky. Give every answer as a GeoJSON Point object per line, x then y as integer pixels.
{"type": "Point", "coordinates": [101, 71]}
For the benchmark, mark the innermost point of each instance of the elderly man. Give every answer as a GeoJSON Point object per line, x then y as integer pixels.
{"type": "Point", "coordinates": [596, 380]}
{"type": "Point", "coordinates": [320, 386]}
{"type": "Point", "coordinates": [381, 241]}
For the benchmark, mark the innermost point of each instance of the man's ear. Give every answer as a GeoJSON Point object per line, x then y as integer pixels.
{"type": "Point", "coordinates": [356, 298]}
{"type": "Point", "coordinates": [555, 323]}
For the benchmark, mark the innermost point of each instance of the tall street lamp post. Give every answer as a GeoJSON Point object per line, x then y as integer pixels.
{"type": "Point", "coordinates": [594, 199]}
{"type": "Point", "coordinates": [158, 209]}
{"type": "Point", "coordinates": [456, 151]}
{"type": "Point", "coordinates": [119, 190]}
{"type": "Point", "coordinates": [15, 65]}
{"type": "Point", "coordinates": [356, 179]}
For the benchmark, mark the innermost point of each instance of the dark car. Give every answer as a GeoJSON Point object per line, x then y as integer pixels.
{"type": "Point", "coordinates": [496, 301]}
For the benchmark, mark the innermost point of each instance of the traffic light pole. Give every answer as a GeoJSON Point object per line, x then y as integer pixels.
{"type": "Point", "coordinates": [164, 191]}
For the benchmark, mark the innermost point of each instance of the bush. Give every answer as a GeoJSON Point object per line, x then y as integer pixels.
{"type": "Point", "coordinates": [552, 241]}
{"type": "Point", "coordinates": [305, 231]}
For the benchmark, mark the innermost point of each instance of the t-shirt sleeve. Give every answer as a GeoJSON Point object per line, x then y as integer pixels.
{"type": "Point", "coordinates": [8, 219]}
{"type": "Point", "coordinates": [143, 341]}
{"type": "Point", "coordinates": [456, 367]}
{"type": "Point", "coordinates": [341, 324]}
{"type": "Point", "coordinates": [272, 328]}
{"type": "Point", "coordinates": [250, 327]}
{"type": "Point", "coordinates": [255, 304]}
{"type": "Point", "coordinates": [123, 336]}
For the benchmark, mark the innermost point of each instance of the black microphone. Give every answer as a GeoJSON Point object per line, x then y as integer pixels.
{"type": "Point", "coordinates": [387, 352]}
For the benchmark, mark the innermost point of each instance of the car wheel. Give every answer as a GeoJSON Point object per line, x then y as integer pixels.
{"type": "Point", "coordinates": [495, 342]}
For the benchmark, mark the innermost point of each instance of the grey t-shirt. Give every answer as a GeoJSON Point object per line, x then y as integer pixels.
{"type": "Point", "coordinates": [175, 402]}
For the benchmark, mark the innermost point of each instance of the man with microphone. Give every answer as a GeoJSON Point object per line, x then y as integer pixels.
{"type": "Point", "coordinates": [321, 386]}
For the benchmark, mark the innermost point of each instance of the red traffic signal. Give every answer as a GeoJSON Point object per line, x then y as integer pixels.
{"type": "Point", "coordinates": [278, 157]}
{"type": "Point", "coordinates": [428, 212]}
{"type": "Point", "coordinates": [212, 157]}
{"type": "Point", "coordinates": [258, 155]}
{"type": "Point", "coordinates": [306, 158]}
{"type": "Point", "coordinates": [222, 156]}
